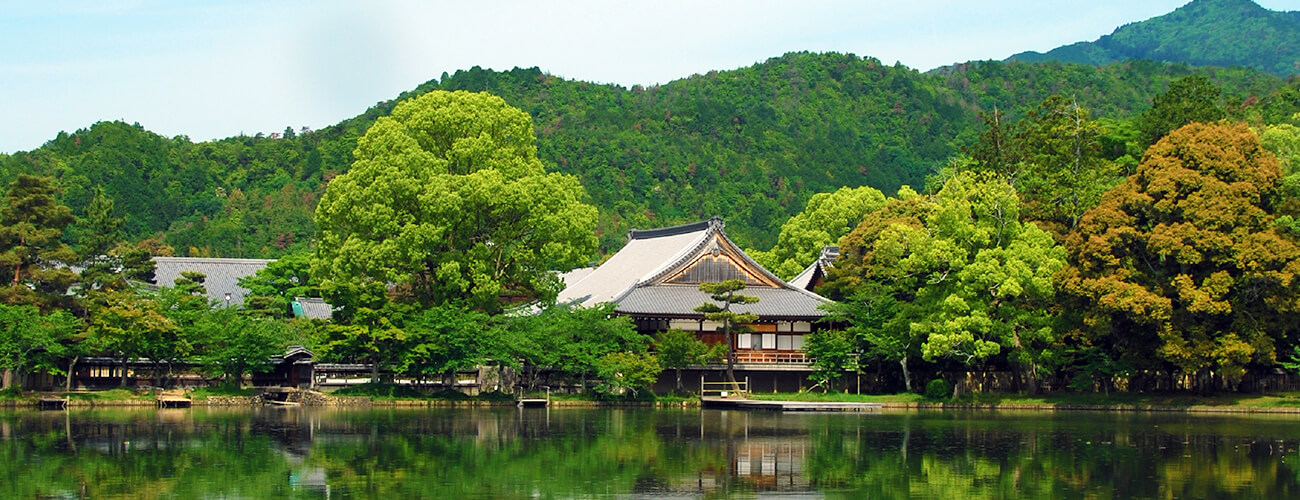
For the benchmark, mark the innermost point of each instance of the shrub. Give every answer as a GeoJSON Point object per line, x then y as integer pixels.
{"type": "Point", "coordinates": [938, 389]}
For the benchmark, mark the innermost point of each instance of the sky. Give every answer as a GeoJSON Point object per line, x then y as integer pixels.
{"type": "Point", "coordinates": [217, 69]}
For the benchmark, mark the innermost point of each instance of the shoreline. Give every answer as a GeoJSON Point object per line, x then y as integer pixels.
{"type": "Point", "coordinates": [362, 401]}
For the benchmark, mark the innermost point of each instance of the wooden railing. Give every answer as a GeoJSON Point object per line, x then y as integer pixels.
{"type": "Point", "coordinates": [738, 389]}
{"type": "Point", "coordinates": [794, 358]}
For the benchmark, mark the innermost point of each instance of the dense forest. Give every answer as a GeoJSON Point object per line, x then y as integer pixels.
{"type": "Point", "coordinates": [752, 144]}
{"type": "Point", "coordinates": [1203, 32]}
{"type": "Point", "coordinates": [1131, 226]}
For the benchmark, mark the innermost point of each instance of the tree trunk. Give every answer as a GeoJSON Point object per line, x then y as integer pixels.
{"type": "Point", "coordinates": [679, 379]}
{"type": "Point", "coordinates": [907, 375]}
{"type": "Point", "coordinates": [1029, 379]}
{"type": "Point", "coordinates": [7, 379]}
{"type": "Point", "coordinates": [72, 370]}
{"type": "Point", "coordinates": [123, 383]}
{"type": "Point", "coordinates": [731, 356]}
{"type": "Point", "coordinates": [374, 370]}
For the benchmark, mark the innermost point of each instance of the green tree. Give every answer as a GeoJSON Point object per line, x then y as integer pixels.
{"type": "Point", "coordinates": [367, 327]}
{"type": "Point", "coordinates": [1064, 173]}
{"type": "Point", "coordinates": [678, 349]}
{"type": "Point", "coordinates": [1182, 262]}
{"type": "Point", "coordinates": [732, 322]}
{"type": "Point", "coordinates": [236, 345]}
{"type": "Point", "coordinates": [1191, 99]}
{"type": "Point", "coordinates": [272, 289]}
{"type": "Point", "coordinates": [834, 353]}
{"type": "Point", "coordinates": [880, 325]}
{"type": "Point", "coordinates": [960, 270]}
{"type": "Point", "coordinates": [32, 221]}
{"type": "Point", "coordinates": [827, 218]}
{"type": "Point", "coordinates": [129, 325]}
{"type": "Point", "coordinates": [570, 341]}
{"type": "Point", "coordinates": [32, 341]}
{"type": "Point", "coordinates": [622, 372]}
{"type": "Point", "coordinates": [448, 201]}
{"type": "Point", "coordinates": [446, 339]}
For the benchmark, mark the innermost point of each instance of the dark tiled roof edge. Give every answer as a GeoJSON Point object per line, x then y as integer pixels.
{"type": "Point", "coordinates": [641, 234]}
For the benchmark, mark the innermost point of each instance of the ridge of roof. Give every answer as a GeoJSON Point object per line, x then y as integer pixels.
{"type": "Point", "coordinates": [680, 259]}
{"type": "Point", "coordinates": [643, 234]}
{"type": "Point", "coordinates": [211, 260]}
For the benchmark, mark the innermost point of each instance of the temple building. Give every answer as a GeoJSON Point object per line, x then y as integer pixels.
{"type": "Point", "coordinates": [655, 280]}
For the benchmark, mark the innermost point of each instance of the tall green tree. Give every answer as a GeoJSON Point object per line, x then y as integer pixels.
{"type": "Point", "coordinates": [1182, 266]}
{"type": "Point", "coordinates": [1191, 99]}
{"type": "Point", "coordinates": [966, 276]}
{"type": "Point", "coordinates": [1065, 173]}
{"type": "Point", "coordinates": [448, 201]}
{"type": "Point", "coordinates": [32, 221]}
{"type": "Point", "coordinates": [725, 293]}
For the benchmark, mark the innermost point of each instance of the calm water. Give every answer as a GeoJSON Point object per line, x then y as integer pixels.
{"type": "Point", "coordinates": [635, 453]}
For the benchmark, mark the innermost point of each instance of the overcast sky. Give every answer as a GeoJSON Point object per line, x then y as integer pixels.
{"type": "Point", "coordinates": [217, 69]}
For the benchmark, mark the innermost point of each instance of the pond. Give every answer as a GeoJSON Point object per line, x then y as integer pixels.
{"type": "Point", "coordinates": [643, 453]}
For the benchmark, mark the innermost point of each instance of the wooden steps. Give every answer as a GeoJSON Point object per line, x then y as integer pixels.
{"type": "Point", "coordinates": [52, 403]}
{"type": "Point", "coordinates": [173, 398]}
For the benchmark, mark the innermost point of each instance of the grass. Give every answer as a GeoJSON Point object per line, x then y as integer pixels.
{"type": "Point", "coordinates": [394, 392]}
{"type": "Point", "coordinates": [1176, 400]}
{"type": "Point", "coordinates": [111, 395]}
{"type": "Point", "coordinates": [202, 393]}
{"type": "Point", "coordinates": [839, 397]}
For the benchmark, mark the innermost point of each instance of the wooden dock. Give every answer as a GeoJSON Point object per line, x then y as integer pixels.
{"type": "Point", "coordinates": [173, 399]}
{"type": "Point", "coordinates": [754, 404]}
{"type": "Point", "coordinates": [523, 401]}
{"type": "Point", "coordinates": [52, 404]}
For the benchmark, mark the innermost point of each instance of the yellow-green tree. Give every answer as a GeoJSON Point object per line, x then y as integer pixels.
{"type": "Point", "coordinates": [966, 279]}
{"type": "Point", "coordinates": [448, 202]}
{"type": "Point", "coordinates": [1182, 262]}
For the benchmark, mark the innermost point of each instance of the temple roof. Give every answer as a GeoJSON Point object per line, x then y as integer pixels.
{"type": "Point", "coordinates": [222, 275]}
{"type": "Point", "coordinates": [659, 272]}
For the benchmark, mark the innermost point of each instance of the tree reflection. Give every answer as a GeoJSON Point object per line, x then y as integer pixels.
{"type": "Point", "coordinates": [567, 453]}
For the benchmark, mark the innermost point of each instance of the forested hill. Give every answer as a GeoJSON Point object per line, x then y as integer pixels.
{"type": "Point", "coordinates": [1203, 32]}
{"type": "Point", "coordinates": [751, 144]}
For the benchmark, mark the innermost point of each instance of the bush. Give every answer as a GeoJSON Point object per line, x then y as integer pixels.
{"type": "Point", "coordinates": [938, 389]}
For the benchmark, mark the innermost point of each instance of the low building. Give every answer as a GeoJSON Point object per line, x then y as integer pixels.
{"type": "Point", "coordinates": [655, 280]}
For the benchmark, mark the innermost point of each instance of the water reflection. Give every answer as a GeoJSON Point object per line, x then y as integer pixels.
{"type": "Point", "coordinates": [625, 453]}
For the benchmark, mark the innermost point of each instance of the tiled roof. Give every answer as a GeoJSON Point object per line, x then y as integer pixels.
{"type": "Point", "coordinates": [311, 307]}
{"type": "Point", "coordinates": [646, 254]}
{"type": "Point", "coordinates": [575, 275]}
{"type": "Point", "coordinates": [222, 275]}
{"type": "Point", "coordinates": [681, 300]}
{"type": "Point", "coordinates": [641, 278]}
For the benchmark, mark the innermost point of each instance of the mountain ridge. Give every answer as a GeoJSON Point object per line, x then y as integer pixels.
{"type": "Point", "coordinates": [1202, 32]}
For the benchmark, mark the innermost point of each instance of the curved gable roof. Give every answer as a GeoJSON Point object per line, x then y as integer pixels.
{"type": "Point", "coordinates": [659, 270]}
